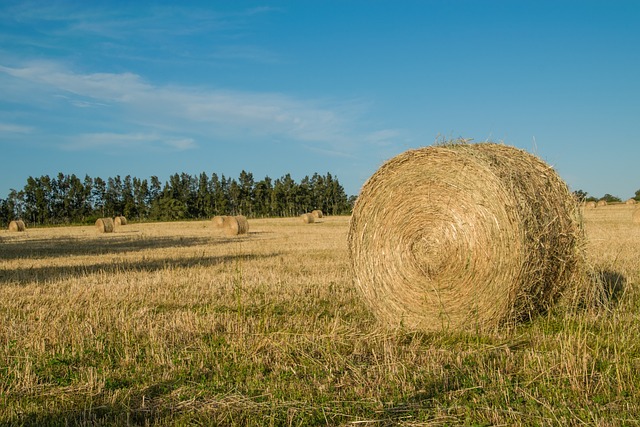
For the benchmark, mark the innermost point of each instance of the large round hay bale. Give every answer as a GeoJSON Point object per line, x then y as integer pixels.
{"type": "Point", "coordinates": [120, 220]}
{"type": "Point", "coordinates": [218, 221]}
{"type": "Point", "coordinates": [307, 218]}
{"type": "Point", "coordinates": [235, 225]}
{"type": "Point", "coordinates": [464, 236]}
{"type": "Point", "coordinates": [105, 225]}
{"type": "Point", "coordinates": [601, 203]}
{"type": "Point", "coordinates": [631, 201]}
{"type": "Point", "coordinates": [316, 213]}
{"type": "Point", "coordinates": [635, 216]}
{"type": "Point", "coordinates": [590, 205]}
{"type": "Point", "coordinates": [17, 225]}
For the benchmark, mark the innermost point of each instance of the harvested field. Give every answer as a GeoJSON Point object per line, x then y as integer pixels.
{"type": "Point", "coordinates": [171, 324]}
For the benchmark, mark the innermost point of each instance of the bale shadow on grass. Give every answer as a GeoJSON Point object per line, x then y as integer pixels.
{"type": "Point", "coordinates": [610, 286]}
{"type": "Point", "coordinates": [26, 275]}
{"type": "Point", "coordinates": [98, 245]}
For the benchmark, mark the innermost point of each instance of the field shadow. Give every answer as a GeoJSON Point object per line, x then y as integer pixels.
{"type": "Point", "coordinates": [25, 275]}
{"type": "Point", "coordinates": [610, 287]}
{"type": "Point", "coordinates": [98, 245]}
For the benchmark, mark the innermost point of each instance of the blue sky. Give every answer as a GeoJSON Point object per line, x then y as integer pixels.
{"type": "Point", "coordinates": [153, 88]}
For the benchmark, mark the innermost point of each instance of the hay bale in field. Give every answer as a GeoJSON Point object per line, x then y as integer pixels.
{"type": "Point", "coordinates": [218, 221]}
{"type": "Point", "coordinates": [465, 236]}
{"type": "Point", "coordinates": [17, 225]}
{"type": "Point", "coordinates": [601, 203]}
{"type": "Point", "coordinates": [316, 213]}
{"type": "Point", "coordinates": [590, 205]}
{"type": "Point", "coordinates": [235, 225]}
{"type": "Point", "coordinates": [631, 201]}
{"type": "Point", "coordinates": [635, 216]}
{"type": "Point", "coordinates": [105, 225]}
{"type": "Point", "coordinates": [120, 220]}
{"type": "Point", "coordinates": [307, 218]}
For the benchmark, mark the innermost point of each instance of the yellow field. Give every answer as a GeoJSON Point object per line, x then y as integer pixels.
{"type": "Point", "coordinates": [165, 322]}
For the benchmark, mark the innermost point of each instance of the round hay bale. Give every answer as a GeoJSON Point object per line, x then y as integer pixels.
{"type": "Point", "coordinates": [105, 225]}
{"type": "Point", "coordinates": [235, 225]}
{"type": "Point", "coordinates": [17, 225]}
{"type": "Point", "coordinates": [601, 203]}
{"type": "Point", "coordinates": [464, 236]}
{"type": "Point", "coordinates": [635, 216]}
{"type": "Point", "coordinates": [317, 213]}
{"type": "Point", "coordinates": [218, 221]}
{"type": "Point", "coordinates": [590, 205]}
{"type": "Point", "coordinates": [120, 220]}
{"type": "Point", "coordinates": [631, 202]}
{"type": "Point", "coordinates": [308, 218]}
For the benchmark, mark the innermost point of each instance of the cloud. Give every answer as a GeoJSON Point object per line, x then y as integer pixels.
{"type": "Point", "coordinates": [13, 129]}
{"type": "Point", "coordinates": [201, 113]}
{"type": "Point", "coordinates": [90, 141]}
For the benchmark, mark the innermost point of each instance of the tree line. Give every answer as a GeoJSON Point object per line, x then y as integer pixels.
{"type": "Point", "coordinates": [585, 197]}
{"type": "Point", "coordinates": [67, 199]}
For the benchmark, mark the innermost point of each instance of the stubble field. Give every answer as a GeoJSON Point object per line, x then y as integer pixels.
{"type": "Point", "coordinates": [176, 324]}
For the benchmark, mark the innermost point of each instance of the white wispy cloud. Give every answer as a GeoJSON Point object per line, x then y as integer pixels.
{"type": "Point", "coordinates": [10, 128]}
{"type": "Point", "coordinates": [205, 112]}
{"type": "Point", "coordinates": [103, 140]}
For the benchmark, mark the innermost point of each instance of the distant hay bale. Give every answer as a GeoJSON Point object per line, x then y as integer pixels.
{"type": "Point", "coordinates": [218, 221]}
{"type": "Point", "coordinates": [590, 205]}
{"type": "Point", "coordinates": [235, 225]}
{"type": "Point", "coordinates": [17, 225]}
{"type": "Point", "coordinates": [105, 225]}
{"type": "Point", "coordinates": [316, 213]}
{"type": "Point", "coordinates": [308, 218]}
{"type": "Point", "coordinates": [601, 203]}
{"type": "Point", "coordinates": [465, 236]}
{"type": "Point", "coordinates": [120, 220]}
{"type": "Point", "coordinates": [635, 216]}
{"type": "Point", "coordinates": [631, 201]}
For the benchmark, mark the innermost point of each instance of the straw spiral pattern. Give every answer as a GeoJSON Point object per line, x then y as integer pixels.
{"type": "Point", "coordinates": [464, 236]}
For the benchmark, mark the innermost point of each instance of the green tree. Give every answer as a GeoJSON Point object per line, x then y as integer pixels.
{"type": "Point", "coordinates": [611, 199]}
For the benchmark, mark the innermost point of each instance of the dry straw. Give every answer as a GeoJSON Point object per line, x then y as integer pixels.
{"type": "Point", "coordinates": [307, 218]}
{"type": "Point", "coordinates": [120, 220]}
{"type": "Point", "coordinates": [17, 225]}
{"type": "Point", "coordinates": [218, 221]}
{"type": "Point", "coordinates": [590, 205]}
{"type": "Point", "coordinates": [235, 225]}
{"type": "Point", "coordinates": [317, 213]}
{"type": "Point", "coordinates": [601, 203]}
{"type": "Point", "coordinates": [631, 202]}
{"type": "Point", "coordinates": [635, 216]}
{"type": "Point", "coordinates": [105, 225]}
{"type": "Point", "coordinates": [465, 236]}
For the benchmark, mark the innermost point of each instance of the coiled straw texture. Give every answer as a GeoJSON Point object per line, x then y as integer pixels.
{"type": "Point", "coordinates": [464, 236]}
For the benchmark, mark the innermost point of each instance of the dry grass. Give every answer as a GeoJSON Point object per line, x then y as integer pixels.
{"type": "Point", "coordinates": [307, 218]}
{"type": "Point", "coordinates": [17, 225]}
{"type": "Point", "coordinates": [105, 225]}
{"type": "Point", "coordinates": [175, 324]}
{"type": "Point", "coordinates": [465, 236]}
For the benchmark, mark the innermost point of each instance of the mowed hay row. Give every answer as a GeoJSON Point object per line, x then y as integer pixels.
{"type": "Point", "coordinates": [235, 225]}
{"type": "Point", "coordinates": [17, 225]}
{"type": "Point", "coordinates": [307, 218]}
{"type": "Point", "coordinates": [105, 225]}
{"type": "Point", "coordinates": [465, 236]}
{"type": "Point", "coordinates": [120, 220]}
{"type": "Point", "coordinates": [317, 213]}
